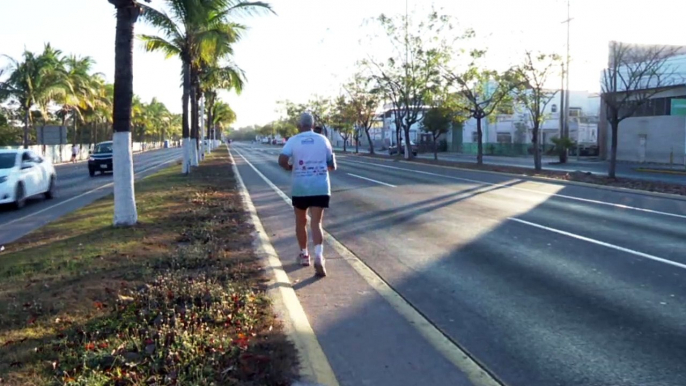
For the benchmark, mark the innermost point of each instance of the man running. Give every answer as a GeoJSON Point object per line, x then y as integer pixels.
{"type": "Point", "coordinates": [312, 159]}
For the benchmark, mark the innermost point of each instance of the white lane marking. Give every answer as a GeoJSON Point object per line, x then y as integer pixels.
{"type": "Point", "coordinates": [81, 195]}
{"type": "Point", "coordinates": [440, 341]}
{"type": "Point", "coordinates": [681, 216]}
{"type": "Point", "coordinates": [601, 243]}
{"type": "Point", "coordinates": [371, 180]}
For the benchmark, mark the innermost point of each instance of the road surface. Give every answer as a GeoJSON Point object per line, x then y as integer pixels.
{"type": "Point", "coordinates": [75, 189]}
{"type": "Point", "coordinates": [624, 170]}
{"type": "Point", "coordinates": [542, 283]}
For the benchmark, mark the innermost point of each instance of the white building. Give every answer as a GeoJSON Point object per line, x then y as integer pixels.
{"type": "Point", "coordinates": [517, 129]}
{"type": "Point", "coordinates": [656, 133]}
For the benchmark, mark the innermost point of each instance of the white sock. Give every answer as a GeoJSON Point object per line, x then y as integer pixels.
{"type": "Point", "coordinates": [319, 250]}
{"type": "Point", "coordinates": [305, 252]}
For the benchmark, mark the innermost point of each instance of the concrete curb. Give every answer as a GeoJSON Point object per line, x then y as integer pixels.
{"type": "Point", "coordinates": [546, 180]}
{"type": "Point", "coordinates": [477, 374]}
{"type": "Point", "coordinates": [662, 171]}
{"type": "Point", "coordinates": [314, 367]}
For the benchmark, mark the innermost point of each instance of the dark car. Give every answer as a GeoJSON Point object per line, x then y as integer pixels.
{"type": "Point", "coordinates": [393, 149]}
{"type": "Point", "coordinates": [100, 159]}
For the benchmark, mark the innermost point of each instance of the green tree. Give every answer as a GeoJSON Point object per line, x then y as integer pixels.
{"type": "Point", "coordinates": [194, 31]}
{"type": "Point", "coordinates": [222, 116]}
{"type": "Point", "coordinates": [484, 92]}
{"type": "Point", "coordinates": [365, 100]}
{"type": "Point", "coordinates": [412, 73]}
{"type": "Point", "coordinates": [343, 118]}
{"type": "Point", "coordinates": [532, 76]}
{"type": "Point", "coordinates": [34, 81]}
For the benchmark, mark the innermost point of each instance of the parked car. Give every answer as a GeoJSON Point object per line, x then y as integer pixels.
{"type": "Point", "coordinates": [100, 159]}
{"type": "Point", "coordinates": [24, 174]}
{"type": "Point", "coordinates": [393, 149]}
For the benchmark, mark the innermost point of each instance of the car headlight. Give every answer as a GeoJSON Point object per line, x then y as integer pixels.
{"type": "Point", "coordinates": [3, 179]}
{"type": "Point", "coordinates": [91, 159]}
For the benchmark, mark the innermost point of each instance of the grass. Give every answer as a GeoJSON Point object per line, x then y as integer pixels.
{"type": "Point", "coordinates": [178, 299]}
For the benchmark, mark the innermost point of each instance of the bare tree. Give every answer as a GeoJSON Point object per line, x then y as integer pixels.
{"type": "Point", "coordinates": [635, 74]}
{"type": "Point", "coordinates": [533, 76]}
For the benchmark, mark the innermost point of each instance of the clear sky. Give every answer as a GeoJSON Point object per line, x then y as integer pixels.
{"type": "Point", "coordinates": [311, 46]}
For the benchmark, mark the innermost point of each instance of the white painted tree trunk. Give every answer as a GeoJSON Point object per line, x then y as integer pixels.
{"type": "Point", "coordinates": [194, 155]}
{"type": "Point", "coordinates": [125, 213]}
{"type": "Point", "coordinates": [186, 167]}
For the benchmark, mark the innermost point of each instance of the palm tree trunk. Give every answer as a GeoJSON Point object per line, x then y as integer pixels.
{"type": "Point", "coordinates": [27, 116]}
{"type": "Point", "coordinates": [210, 125]}
{"type": "Point", "coordinates": [195, 161]}
{"type": "Point", "coordinates": [185, 129]}
{"type": "Point", "coordinates": [125, 213]}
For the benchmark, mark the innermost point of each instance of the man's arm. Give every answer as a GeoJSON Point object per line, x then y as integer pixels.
{"type": "Point", "coordinates": [286, 154]}
{"type": "Point", "coordinates": [283, 162]}
{"type": "Point", "coordinates": [330, 157]}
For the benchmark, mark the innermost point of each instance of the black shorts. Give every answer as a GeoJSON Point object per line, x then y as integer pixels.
{"type": "Point", "coordinates": [305, 202]}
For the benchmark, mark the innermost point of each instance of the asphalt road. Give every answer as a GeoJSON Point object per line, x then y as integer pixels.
{"type": "Point", "coordinates": [74, 189]}
{"type": "Point", "coordinates": [624, 169]}
{"type": "Point", "coordinates": [542, 283]}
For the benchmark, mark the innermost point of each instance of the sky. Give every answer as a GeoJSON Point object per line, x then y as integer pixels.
{"type": "Point", "coordinates": [310, 47]}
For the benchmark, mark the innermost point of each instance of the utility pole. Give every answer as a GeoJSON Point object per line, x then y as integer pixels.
{"type": "Point", "coordinates": [561, 109]}
{"type": "Point", "coordinates": [566, 107]}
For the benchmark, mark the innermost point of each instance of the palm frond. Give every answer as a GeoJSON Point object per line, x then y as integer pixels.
{"type": "Point", "coordinates": [156, 43]}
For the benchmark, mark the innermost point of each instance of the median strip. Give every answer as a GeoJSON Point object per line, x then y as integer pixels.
{"type": "Point", "coordinates": [180, 298]}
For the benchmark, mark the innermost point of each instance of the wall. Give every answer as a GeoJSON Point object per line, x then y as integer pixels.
{"type": "Point", "coordinates": [663, 135]}
{"type": "Point", "coordinates": [62, 153]}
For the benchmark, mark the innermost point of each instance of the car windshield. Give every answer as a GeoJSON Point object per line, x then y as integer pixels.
{"type": "Point", "coordinates": [103, 148]}
{"type": "Point", "coordinates": [7, 160]}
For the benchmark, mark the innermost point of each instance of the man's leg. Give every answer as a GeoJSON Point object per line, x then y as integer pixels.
{"type": "Point", "coordinates": [301, 234]}
{"type": "Point", "coordinates": [316, 216]}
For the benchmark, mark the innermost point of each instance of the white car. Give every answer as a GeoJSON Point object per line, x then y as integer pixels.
{"type": "Point", "coordinates": [24, 174]}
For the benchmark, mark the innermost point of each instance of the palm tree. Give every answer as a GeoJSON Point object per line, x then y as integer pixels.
{"type": "Point", "coordinates": [125, 213]}
{"type": "Point", "coordinates": [215, 77]}
{"type": "Point", "coordinates": [192, 31]}
{"type": "Point", "coordinates": [222, 116]}
{"type": "Point", "coordinates": [83, 91]}
{"type": "Point", "coordinates": [34, 81]}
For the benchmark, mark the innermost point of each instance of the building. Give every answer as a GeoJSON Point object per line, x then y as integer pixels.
{"type": "Point", "coordinates": [512, 134]}
{"type": "Point", "coordinates": [656, 133]}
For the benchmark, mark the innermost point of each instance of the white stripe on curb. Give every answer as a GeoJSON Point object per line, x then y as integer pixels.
{"type": "Point", "coordinates": [314, 366]}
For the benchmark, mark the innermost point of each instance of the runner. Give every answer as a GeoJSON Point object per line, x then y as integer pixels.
{"type": "Point", "coordinates": [74, 153]}
{"type": "Point", "coordinates": [312, 158]}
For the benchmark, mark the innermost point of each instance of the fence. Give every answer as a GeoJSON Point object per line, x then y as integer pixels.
{"type": "Point", "coordinates": [505, 149]}
{"type": "Point", "coordinates": [62, 153]}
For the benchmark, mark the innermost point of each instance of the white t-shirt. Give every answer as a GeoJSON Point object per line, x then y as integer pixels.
{"type": "Point", "coordinates": [74, 150]}
{"type": "Point", "coordinates": [312, 155]}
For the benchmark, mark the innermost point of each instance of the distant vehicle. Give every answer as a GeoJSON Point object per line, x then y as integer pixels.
{"type": "Point", "coordinates": [393, 149]}
{"type": "Point", "coordinates": [24, 174]}
{"type": "Point", "coordinates": [100, 159]}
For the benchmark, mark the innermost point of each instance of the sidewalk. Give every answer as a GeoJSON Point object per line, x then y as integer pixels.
{"type": "Point", "coordinates": [365, 333]}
